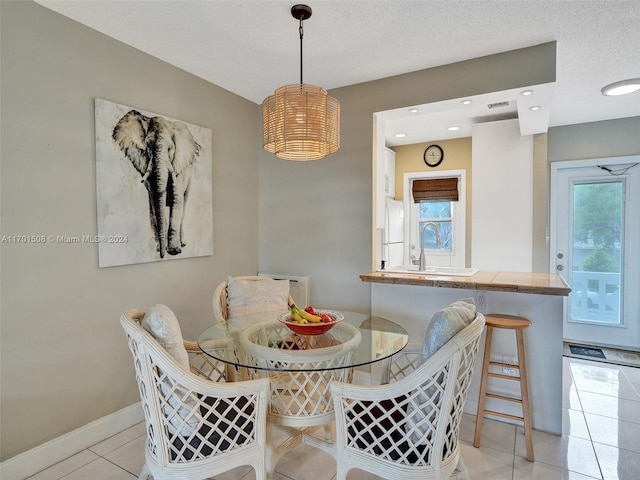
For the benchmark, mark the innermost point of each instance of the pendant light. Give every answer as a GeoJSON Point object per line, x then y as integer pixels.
{"type": "Point", "coordinates": [300, 121]}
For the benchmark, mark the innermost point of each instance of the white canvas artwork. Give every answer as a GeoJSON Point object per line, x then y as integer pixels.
{"type": "Point", "coordinates": [154, 186]}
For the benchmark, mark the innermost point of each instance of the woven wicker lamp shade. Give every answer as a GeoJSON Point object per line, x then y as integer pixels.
{"type": "Point", "coordinates": [301, 122]}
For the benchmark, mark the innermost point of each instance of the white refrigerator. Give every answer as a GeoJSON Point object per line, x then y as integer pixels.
{"type": "Point", "coordinates": [393, 235]}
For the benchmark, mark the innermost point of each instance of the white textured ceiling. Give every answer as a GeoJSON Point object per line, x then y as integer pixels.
{"type": "Point", "coordinates": [252, 47]}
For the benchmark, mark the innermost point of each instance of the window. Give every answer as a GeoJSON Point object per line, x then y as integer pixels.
{"type": "Point", "coordinates": [436, 219]}
{"type": "Point", "coordinates": [444, 235]}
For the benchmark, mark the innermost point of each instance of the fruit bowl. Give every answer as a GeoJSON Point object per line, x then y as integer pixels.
{"type": "Point", "coordinates": [311, 328]}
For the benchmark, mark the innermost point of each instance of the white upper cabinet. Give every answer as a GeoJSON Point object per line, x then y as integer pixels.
{"type": "Point", "coordinates": [389, 173]}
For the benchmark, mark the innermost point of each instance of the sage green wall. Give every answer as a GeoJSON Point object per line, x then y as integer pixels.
{"type": "Point", "coordinates": [609, 138]}
{"type": "Point", "coordinates": [64, 357]}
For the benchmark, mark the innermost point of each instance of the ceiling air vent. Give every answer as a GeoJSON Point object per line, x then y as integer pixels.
{"type": "Point", "coordinates": [498, 105]}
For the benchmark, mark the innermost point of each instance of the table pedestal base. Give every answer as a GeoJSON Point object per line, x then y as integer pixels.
{"type": "Point", "coordinates": [324, 441]}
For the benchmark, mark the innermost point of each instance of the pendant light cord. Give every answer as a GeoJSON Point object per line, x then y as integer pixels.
{"type": "Point", "coordinates": [300, 29]}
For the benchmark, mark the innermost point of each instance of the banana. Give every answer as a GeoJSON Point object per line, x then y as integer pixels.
{"type": "Point", "coordinates": [295, 317]}
{"type": "Point", "coordinates": [295, 310]}
{"type": "Point", "coordinates": [308, 316]}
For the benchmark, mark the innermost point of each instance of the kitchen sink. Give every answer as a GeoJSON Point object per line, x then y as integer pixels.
{"type": "Point", "coordinates": [448, 271]}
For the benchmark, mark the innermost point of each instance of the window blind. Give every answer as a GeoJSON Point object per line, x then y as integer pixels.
{"type": "Point", "coordinates": [435, 190]}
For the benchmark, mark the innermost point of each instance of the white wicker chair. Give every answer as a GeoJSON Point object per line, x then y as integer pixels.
{"type": "Point", "coordinates": [409, 428]}
{"type": "Point", "coordinates": [196, 428]}
{"type": "Point", "coordinates": [221, 314]}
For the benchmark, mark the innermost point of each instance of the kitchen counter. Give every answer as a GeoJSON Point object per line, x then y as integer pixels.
{"type": "Point", "coordinates": [411, 299]}
{"type": "Point", "coordinates": [496, 281]}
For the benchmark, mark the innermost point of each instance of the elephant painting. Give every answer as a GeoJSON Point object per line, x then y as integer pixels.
{"type": "Point", "coordinates": [163, 152]}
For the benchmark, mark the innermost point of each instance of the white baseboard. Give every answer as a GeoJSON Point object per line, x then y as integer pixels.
{"type": "Point", "coordinates": [43, 456]}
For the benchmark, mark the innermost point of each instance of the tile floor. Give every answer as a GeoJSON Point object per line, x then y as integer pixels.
{"type": "Point", "coordinates": [600, 440]}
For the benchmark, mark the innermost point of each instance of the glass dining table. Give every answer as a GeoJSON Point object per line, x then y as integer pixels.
{"type": "Point", "coordinates": [301, 368]}
{"type": "Point", "coordinates": [364, 339]}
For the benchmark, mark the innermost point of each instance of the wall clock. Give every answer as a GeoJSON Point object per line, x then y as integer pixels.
{"type": "Point", "coordinates": [433, 155]}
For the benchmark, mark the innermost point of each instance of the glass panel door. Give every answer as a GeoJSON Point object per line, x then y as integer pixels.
{"type": "Point", "coordinates": [598, 220]}
{"type": "Point", "coordinates": [595, 246]}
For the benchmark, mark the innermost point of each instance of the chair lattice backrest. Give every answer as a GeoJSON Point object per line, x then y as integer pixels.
{"type": "Point", "coordinates": [196, 428]}
{"type": "Point", "coordinates": [468, 356]}
{"type": "Point", "coordinates": [412, 423]}
{"type": "Point", "coordinates": [208, 367]}
{"type": "Point", "coordinates": [402, 365]}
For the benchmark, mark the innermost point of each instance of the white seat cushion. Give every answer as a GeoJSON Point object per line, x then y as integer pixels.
{"type": "Point", "coordinates": [246, 297]}
{"type": "Point", "coordinates": [444, 325]}
{"type": "Point", "coordinates": [162, 324]}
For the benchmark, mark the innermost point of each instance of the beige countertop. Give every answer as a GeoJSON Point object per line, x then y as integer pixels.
{"type": "Point", "coordinates": [518, 282]}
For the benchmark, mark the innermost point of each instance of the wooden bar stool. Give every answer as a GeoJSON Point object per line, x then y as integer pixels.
{"type": "Point", "coordinates": [510, 322]}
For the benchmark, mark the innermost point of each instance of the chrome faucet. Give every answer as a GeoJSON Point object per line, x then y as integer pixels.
{"type": "Point", "coordinates": [423, 258]}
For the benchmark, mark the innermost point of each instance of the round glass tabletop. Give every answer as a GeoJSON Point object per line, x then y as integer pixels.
{"type": "Point", "coordinates": [262, 342]}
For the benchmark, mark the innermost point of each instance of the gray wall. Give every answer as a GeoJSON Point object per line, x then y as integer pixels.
{"type": "Point", "coordinates": [611, 138]}
{"type": "Point", "coordinates": [64, 357]}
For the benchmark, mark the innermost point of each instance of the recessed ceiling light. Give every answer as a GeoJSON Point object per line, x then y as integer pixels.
{"type": "Point", "coordinates": [621, 88]}
{"type": "Point", "coordinates": [453, 128]}
{"type": "Point", "coordinates": [526, 92]}
{"type": "Point", "coordinates": [414, 110]}
{"type": "Point", "coordinates": [400, 135]}
{"type": "Point", "coordinates": [465, 102]}
{"type": "Point", "coordinates": [535, 107]}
